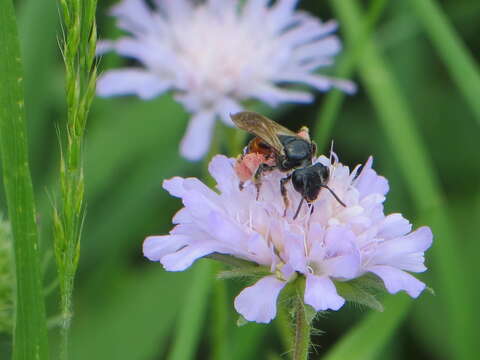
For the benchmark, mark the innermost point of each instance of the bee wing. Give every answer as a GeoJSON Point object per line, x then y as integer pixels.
{"type": "Point", "coordinates": [261, 126]}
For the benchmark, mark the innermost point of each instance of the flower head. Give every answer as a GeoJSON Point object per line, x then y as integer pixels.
{"type": "Point", "coordinates": [327, 243]}
{"type": "Point", "coordinates": [215, 54]}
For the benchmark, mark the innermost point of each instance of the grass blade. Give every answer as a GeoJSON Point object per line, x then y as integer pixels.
{"type": "Point", "coordinates": [364, 340]}
{"type": "Point", "coordinates": [421, 181]}
{"type": "Point", "coordinates": [457, 58]}
{"type": "Point", "coordinates": [331, 106]}
{"type": "Point", "coordinates": [37, 25]}
{"type": "Point", "coordinates": [193, 313]}
{"type": "Point", "coordinates": [30, 337]}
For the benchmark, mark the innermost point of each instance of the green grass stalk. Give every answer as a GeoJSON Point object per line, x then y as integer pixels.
{"type": "Point", "coordinates": [422, 182]}
{"type": "Point", "coordinates": [30, 333]}
{"type": "Point", "coordinates": [367, 339]}
{"type": "Point", "coordinates": [456, 56]}
{"type": "Point", "coordinates": [78, 50]}
{"type": "Point", "coordinates": [332, 104]}
{"type": "Point", "coordinates": [193, 313]}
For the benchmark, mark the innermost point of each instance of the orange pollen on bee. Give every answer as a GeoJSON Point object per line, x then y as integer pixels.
{"type": "Point", "coordinates": [247, 165]}
{"type": "Point", "coordinates": [304, 133]}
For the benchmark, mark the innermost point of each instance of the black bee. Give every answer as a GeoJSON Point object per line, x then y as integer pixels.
{"type": "Point", "coordinates": [289, 151]}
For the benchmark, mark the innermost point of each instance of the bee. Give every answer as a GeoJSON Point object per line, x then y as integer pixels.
{"type": "Point", "coordinates": [276, 147]}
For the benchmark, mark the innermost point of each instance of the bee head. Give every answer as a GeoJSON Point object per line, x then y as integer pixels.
{"type": "Point", "coordinates": [308, 181]}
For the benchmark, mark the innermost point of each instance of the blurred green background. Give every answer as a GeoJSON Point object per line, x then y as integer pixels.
{"type": "Point", "coordinates": [128, 308]}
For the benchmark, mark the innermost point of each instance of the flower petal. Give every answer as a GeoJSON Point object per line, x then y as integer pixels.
{"type": "Point", "coordinates": [130, 82]}
{"type": "Point", "coordinates": [185, 257]}
{"type": "Point", "coordinates": [294, 251]}
{"type": "Point", "coordinates": [396, 280]}
{"type": "Point", "coordinates": [196, 141]}
{"type": "Point", "coordinates": [156, 247]}
{"type": "Point", "coordinates": [104, 46]}
{"type": "Point", "coordinates": [259, 302]}
{"type": "Point", "coordinates": [406, 252]}
{"type": "Point", "coordinates": [225, 108]}
{"type": "Point", "coordinates": [175, 186]}
{"type": "Point", "coordinates": [320, 292]}
{"type": "Point", "coordinates": [175, 9]}
{"type": "Point", "coordinates": [368, 182]}
{"type": "Point", "coordinates": [221, 169]}
{"type": "Point", "coordinates": [273, 95]}
{"type": "Point", "coordinates": [394, 225]}
{"type": "Point", "coordinates": [134, 16]}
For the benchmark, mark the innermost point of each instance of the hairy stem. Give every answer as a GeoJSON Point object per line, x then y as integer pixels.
{"type": "Point", "coordinates": [302, 332]}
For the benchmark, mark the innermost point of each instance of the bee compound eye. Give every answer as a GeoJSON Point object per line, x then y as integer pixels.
{"type": "Point", "coordinates": [297, 181]}
{"type": "Point", "coordinates": [286, 164]}
{"type": "Point", "coordinates": [325, 174]}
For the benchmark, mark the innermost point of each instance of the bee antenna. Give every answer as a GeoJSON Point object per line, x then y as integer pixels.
{"type": "Point", "coordinates": [334, 195]}
{"type": "Point", "coordinates": [331, 152]}
{"type": "Point", "coordinates": [298, 209]}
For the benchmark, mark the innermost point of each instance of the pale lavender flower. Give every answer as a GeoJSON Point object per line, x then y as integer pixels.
{"type": "Point", "coordinates": [215, 54]}
{"type": "Point", "coordinates": [331, 244]}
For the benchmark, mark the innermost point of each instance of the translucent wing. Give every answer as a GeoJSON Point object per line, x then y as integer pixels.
{"type": "Point", "coordinates": [261, 126]}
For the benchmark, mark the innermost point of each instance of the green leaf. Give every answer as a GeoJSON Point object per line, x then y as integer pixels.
{"type": "Point", "coordinates": [241, 321]}
{"type": "Point", "coordinates": [245, 272]}
{"type": "Point", "coordinates": [414, 162]}
{"type": "Point", "coordinates": [460, 63]}
{"type": "Point", "coordinates": [365, 340]}
{"type": "Point", "coordinates": [353, 291]}
{"type": "Point", "coordinates": [30, 337]}
{"type": "Point", "coordinates": [236, 262]}
{"type": "Point", "coordinates": [7, 279]}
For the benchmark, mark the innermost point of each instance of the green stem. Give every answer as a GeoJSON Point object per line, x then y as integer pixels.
{"type": "Point", "coordinates": [413, 160]}
{"type": "Point", "coordinates": [220, 333]}
{"type": "Point", "coordinates": [192, 316]}
{"type": "Point", "coordinates": [284, 327]}
{"type": "Point", "coordinates": [456, 56]}
{"type": "Point", "coordinates": [302, 331]}
{"type": "Point", "coordinates": [66, 316]}
{"type": "Point", "coordinates": [30, 335]}
{"type": "Point", "coordinates": [334, 100]}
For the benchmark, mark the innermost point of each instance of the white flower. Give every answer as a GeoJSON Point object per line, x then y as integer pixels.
{"type": "Point", "coordinates": [216, 54]}
{"type": "Point", "coordinates": [332, 243]}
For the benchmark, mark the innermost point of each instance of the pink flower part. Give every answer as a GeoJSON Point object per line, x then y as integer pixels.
{"type": "Point", "coordinates": [331, 244]}
{"type": "Point", "coordinates": [247, 165]}
{"type": "Point", "coordinates": [214, 55]}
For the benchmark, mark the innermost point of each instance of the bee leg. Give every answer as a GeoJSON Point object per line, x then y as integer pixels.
{"type": "Point", "coordinates": [258, 184]}
{"type": "Point", "coordinates": [241, 185]}
{"type": "Point", "coordinates": [312, 207]}
{"type": "Point", "coordinates": [283, 190]}
{"type": "Point", "coordinates": [257, 178]}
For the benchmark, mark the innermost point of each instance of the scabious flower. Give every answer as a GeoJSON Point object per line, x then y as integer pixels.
{"type": "Point", "coordinates": [327, 244]}
{"type": "Point", "coordinates": [215, 54]}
